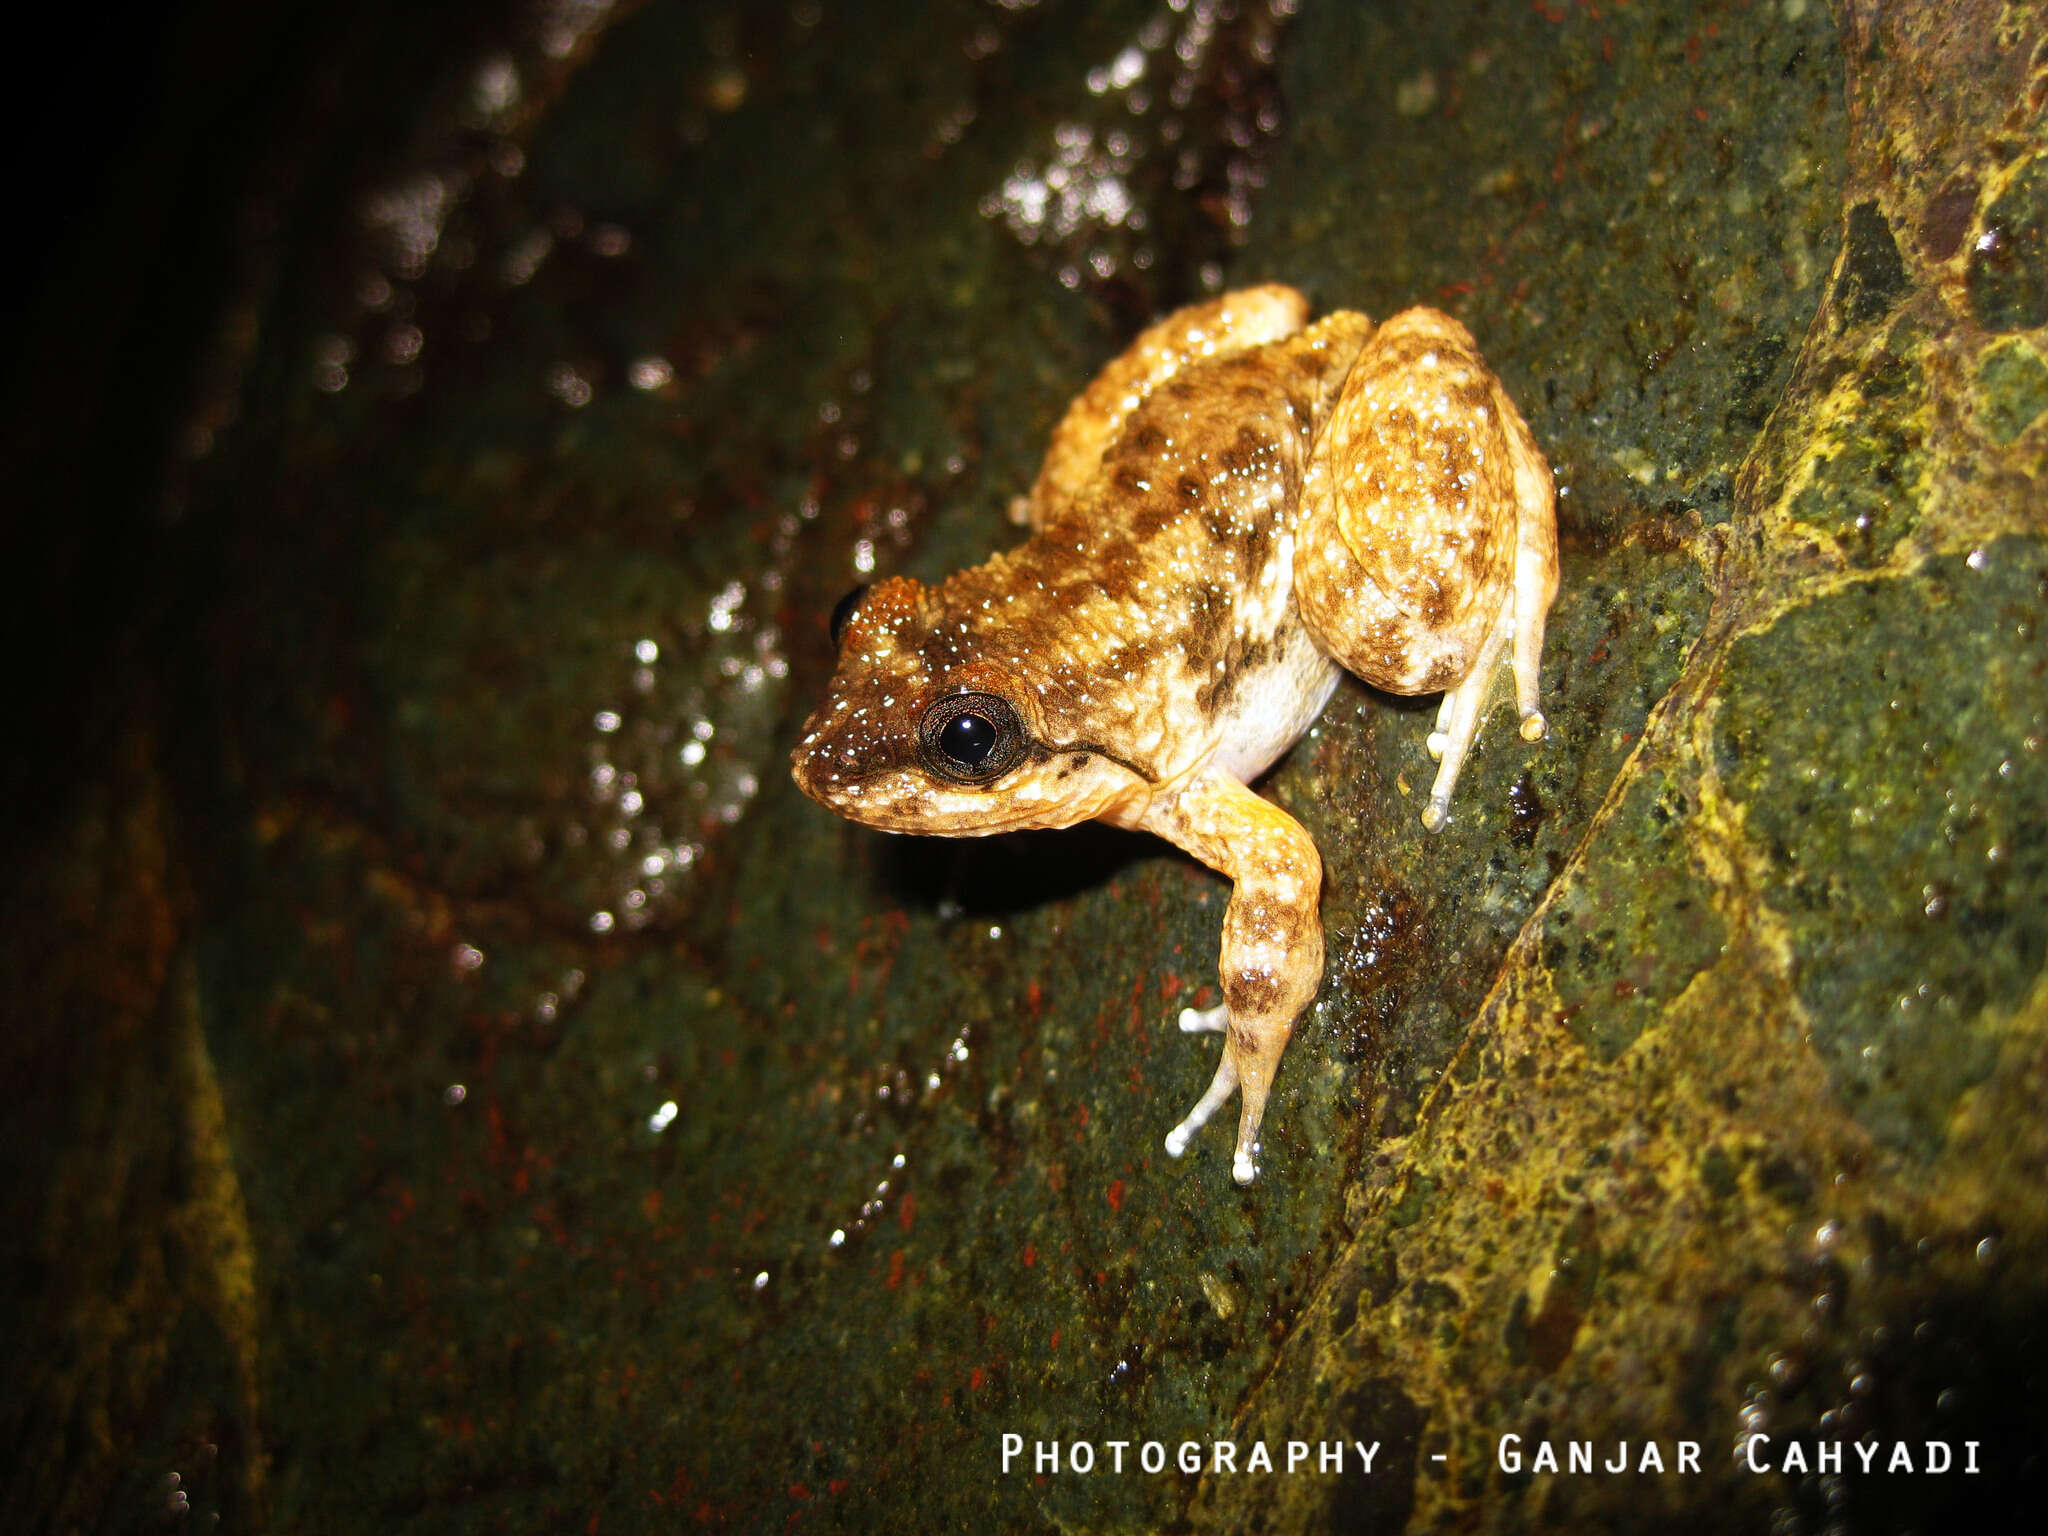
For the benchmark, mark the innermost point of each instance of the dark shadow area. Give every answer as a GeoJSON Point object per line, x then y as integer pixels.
{"type": "Point", "coordinates": [1966, 1365]}
{"type": "Point", "coordinates": [1008, 874]}
{"type": "Point", "coordinates": [159, 162]}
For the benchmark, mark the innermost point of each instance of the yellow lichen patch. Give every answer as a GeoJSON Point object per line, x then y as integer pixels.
{"type": "Point", "coordinates": [1998, 1139]}
{"type": "Point", "coordinates": [213, 1220]}
{"type": "Point", "coordinates": [135, 1210]}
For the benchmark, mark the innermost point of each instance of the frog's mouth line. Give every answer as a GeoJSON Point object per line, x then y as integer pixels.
{"type": "Point", "coordinates": [1150, 779]}
{"type": "Point", "coordinates": [982, 809]}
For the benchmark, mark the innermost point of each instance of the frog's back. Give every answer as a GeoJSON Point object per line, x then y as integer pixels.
{"type": "Point", "coordinates": [1214, 455]}
{"type": "Point", "coordinates": [1164, 588]}
{"type": "Point", "coordinates": [1188, 526]}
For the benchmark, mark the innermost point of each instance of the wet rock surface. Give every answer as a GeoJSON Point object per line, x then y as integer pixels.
{"type": "Point", "coordinates": [469, 1089]}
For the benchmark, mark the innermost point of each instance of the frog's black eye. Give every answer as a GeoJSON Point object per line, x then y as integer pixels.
{"type": "Point", "coordinates": [842, 612]}
{"type": "Point", "coordinates": [968, 740]}
{"type": "Point", "coordinates": [970, 737]}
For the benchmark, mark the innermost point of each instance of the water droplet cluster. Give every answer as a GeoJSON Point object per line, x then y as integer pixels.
{"type": "Point", "coordinates": [1177, 125]}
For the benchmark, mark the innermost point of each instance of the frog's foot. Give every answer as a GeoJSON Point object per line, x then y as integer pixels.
{"type": "Point", "coordinates": [1221, 1087]}
{"type": "Point", "coordinates": [1211, 1021]}
{"type": "Point", "coordinates": [1457, 724]}
{"type": "Point", "coordinates": [1251, 1054]}
{"type": "Point", "coordinates": [1533, 727]}
{"type": "Point", "coordinates": [1457, 718]}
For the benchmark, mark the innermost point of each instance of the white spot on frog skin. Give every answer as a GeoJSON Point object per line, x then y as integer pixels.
{"type": "Point", "coordinates": [1189, 648]}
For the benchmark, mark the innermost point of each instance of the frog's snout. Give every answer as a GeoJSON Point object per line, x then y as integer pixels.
{"type": "Point", "coordinates": [803, 768]}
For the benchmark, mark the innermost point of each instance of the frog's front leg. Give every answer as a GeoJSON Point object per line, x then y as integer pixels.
{"type": "Point", "coordinates": [1272, 955]}
{"type": "Point", "coordinates": [1428, 544]}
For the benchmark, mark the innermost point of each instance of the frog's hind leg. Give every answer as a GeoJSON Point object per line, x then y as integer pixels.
{"type": "Point", "coordinates": [1518, 627]}
{"type": "Point", "coordinates": [1428, 539]}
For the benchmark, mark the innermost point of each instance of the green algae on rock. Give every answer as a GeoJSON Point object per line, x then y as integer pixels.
{"type": "Point", "coordinates": [2012, 390]}
{"type": "Point", "coordinates": [1877, 741]}
{"type": "Point", "coordinates": [2008, 264]}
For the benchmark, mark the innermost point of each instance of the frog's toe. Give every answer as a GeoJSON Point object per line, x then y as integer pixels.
{"type": "Point", "coordinates": [1205, 1021]}
{"type": "Point", "coordinates": [1457, 724]}
{"type": "Point", "coordinates": [1221, 1087]}
{"type": "Point", "coordinates": [1439, 739]}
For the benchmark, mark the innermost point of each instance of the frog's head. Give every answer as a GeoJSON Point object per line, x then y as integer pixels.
{"type": "Point", "coordinates": [930, 728]}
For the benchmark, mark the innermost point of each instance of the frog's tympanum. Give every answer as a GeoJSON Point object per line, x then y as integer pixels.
{"type": "Point", "coordinates": [1235, 508]}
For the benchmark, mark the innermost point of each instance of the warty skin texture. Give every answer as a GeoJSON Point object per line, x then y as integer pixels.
{"type": "Point", "coordinates": [1235, 508]}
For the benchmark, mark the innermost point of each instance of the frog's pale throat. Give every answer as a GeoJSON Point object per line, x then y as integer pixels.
{"type": "Point", "coordinates": [1237, 507]}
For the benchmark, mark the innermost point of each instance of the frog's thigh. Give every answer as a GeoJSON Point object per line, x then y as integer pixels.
{"type": "Point", "coordinates": [1428, 539]}
{"type": "Point", "coordinates": [1272, 950]}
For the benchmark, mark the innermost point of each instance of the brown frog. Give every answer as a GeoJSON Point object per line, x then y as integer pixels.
{"type": "Point", "coordinates": [1237, 507]}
